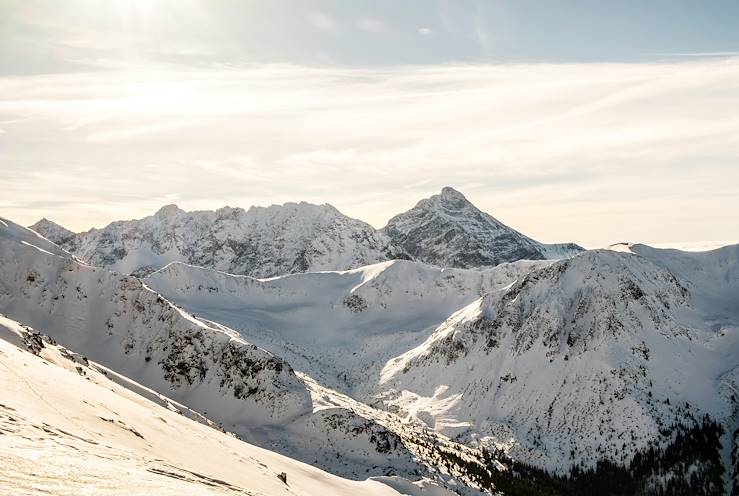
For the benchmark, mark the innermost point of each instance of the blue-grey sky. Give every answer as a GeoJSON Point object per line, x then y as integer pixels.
{"type": "Point", "coordinates": [49, 35]}
{"type": "Point", "coordinates": [589, 121]}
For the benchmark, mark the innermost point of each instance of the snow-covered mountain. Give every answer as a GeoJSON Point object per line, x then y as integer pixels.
{"type": "Point", "coordinates": [618, 367]}
{"type": "Point", "coordinates": [339, 327]}
{"type": "Point", "coordinates": [444, 230]}
{"type": "Point", "coordinates": [448, 231]}
{"type": "Point", "coordinates": [595, 357]}
{"type": "Point", "coordinates": [117, 321]}
{"type": "Point", "coordinates": [68, 429]}
{"type": "Point", "coordinates": [261, 242]}
{"type": "Point", "coordinates": [533, 359]}
{"type": "Point", "coordinates": [139, 336]}
{"type": "Point", "coordinates": [52, 231]}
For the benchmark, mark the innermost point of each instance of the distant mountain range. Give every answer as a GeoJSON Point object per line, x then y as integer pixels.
{"type": "Point", "coordinates": [444, 230]}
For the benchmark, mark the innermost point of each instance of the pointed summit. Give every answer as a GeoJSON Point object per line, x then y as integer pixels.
{"type": "Point", "coordinates": [448, 231]}
{"type": "Point", "coordinates": [52, 231]}
{"type": "Point", "coordinates": [450, 194]}
{"type": "Point", "coordinates": [169, 211]}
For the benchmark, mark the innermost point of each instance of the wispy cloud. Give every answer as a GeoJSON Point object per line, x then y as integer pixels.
{"type": "Point", "coordinates": [692, 54]}
{"type": "Point", "coordinates": [371, 25]}
{"type": "Point", "coordinates": [594, 153]}
{"type": "Point", "coordinates": [322, 21]}
{"type": "Point", "coordinates": [425, 31]}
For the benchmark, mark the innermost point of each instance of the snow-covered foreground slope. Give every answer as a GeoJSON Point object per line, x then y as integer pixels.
{"type": "Point", "coordinates": [590, 358]}
{"type": "Point", "coordinates": [67, 429]}
{"type": "Point", "coordinates": [448, 231]}
{"type": "Point", "coordinates": [339, 327]}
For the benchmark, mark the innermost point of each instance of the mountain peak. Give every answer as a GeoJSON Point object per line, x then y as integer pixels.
{"type": "Point", "coordinates": [447, 230]}
{"type": "Point", "coordinates": [450, 194]}
{"type": "Point", "coordinates": [168, 211]}
{"type": "Point", "coordinates": [51, 230]}
{"type": "Point", "coordinates": [44, 222]}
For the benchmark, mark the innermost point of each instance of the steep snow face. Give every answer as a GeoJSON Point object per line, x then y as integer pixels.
{"type": "Point", "coordinates": [52, 231]}
{"type": "Point", "coordinates": [339, 327]}
{"type": "Point", "coordinates": [449, 231]}
{"type": "Point", "coordinates": [260, 242]}
{"type": "Point", "coordinates": [67, 429]}
{"type": "Point", "coordinates": [589, 358]}
{"type": "Point", "coordinates": [122, 324]}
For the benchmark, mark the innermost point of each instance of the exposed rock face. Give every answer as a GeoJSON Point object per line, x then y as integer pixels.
{"type": "Point", "coordinates": [448, 231]}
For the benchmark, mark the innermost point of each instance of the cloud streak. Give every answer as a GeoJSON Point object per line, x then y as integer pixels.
{"type": "Point", "coordinates": [371, 25]}
{"type": "Point", "coordinates": [594, 153]}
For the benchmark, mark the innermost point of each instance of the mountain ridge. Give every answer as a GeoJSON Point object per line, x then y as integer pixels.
{"type": "Point", "coordinates": [293, 237]}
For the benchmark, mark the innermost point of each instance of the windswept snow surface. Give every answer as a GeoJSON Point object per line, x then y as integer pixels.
{"type": "Point", "coordinates": [66, 429]}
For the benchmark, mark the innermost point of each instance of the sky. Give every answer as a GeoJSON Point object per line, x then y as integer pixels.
{"type": "Point", "coordinates": [592, 122]}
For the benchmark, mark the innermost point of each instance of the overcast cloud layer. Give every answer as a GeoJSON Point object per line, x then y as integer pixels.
{"type": "Point", "coordinates": [591, 152]}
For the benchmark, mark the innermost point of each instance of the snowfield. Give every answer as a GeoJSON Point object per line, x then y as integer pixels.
{"type": "Point", "coordinates": [337, 326]}
{"type": "Point", "coordinates": [66, 429]}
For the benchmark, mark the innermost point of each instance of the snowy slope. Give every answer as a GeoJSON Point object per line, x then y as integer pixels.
{"type": "Point", "coordinates": [262, 242]}
{"type": "Point", "coordinates": [339, 327]}
{"type": "Point", "coordinates": [131, 329]}
{"type": "Point", "coordinates": [588, 358]}
{"type": "Point", "coordinates": [713, 274]}
{"type": "Point", "coordinates": [448, 231]}
{"type": "Point", "coordinates": [68, 430]}
{"type": "Point", "coordinates": [119, 322]}
{"type": "Point", "coordinates": [557, 363]}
